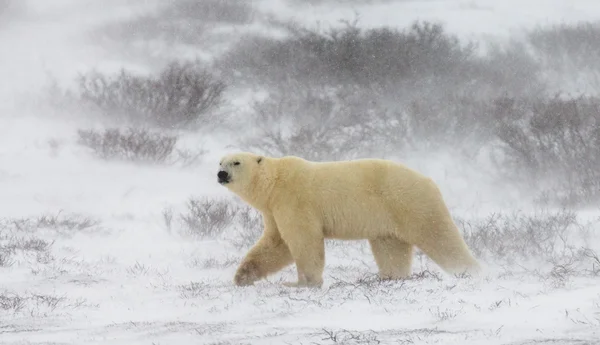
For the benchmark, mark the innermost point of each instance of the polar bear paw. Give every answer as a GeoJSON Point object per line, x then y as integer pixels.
{"type": "Point", "coordinates": [247, 274]}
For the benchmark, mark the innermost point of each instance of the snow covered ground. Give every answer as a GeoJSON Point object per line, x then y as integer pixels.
{"type": "Point", "coordinates": [95, 263]}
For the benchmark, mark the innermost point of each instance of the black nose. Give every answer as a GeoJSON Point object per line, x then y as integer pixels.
{"type": "Point", "coordinates": [223, 176]}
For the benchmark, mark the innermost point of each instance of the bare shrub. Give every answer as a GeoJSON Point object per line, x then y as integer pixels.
{"type": "Point", "coordinates": [182, 96]}
{"type": "Point", "coordinates": [594, 259]}
{"type": "Point", "coordinates": [213, 263]}
{"type": "Point", "coordinates": [505, 69]}
{"type": "Point", "coordinates": [206, 218]}
{"type": "Point", "coordinates": [444, 314]}
{"type": "Point", "coordinates": [20, 235]}
{"type": "Point", "coordinates": [553, 144]}
{"type": "Point", "coordinates": [419, 61]}
{"type": "Point", "coordinates": [446, 122]}
{"type": "Point", "coordinates": [194, 290]}
{"type": "Point", "coordinates": [20, 244]}
{"type": "Point", "coordinates": [515, 238]}
{"type": "Point", "coordinates": [139, 145]}
{"type": "Point", "coordinates": [168, 218]}
{"type": "Point", "coordinates": [11, 301]}
{"type": "Point", "coordinates": [50, 301]}
{"type": "Point", "coordinates": [71, 222]}
{"type": "Point", "coordinates": [567, 46]}
{"type": "Point", "coordinates": [131, 144]}
{"type": "Point", "coordinates": [32, 244]}
{"type": "Point", "coordinates": [138, 269]}
{"type": "Point", "coordinates": [248, 228]}
{"type": "Point", "coordinates": [319, 123]}
{"type": "Point", "coordinates": [366, 280]}
{"type": "Point", "coordinates": [61, 223]}
{"type": "Point", "coordinates": [344, 336]}
{"type": "Point", "coordinates": [11, 244]}
{"type": "Point", "coordinates": [5, 257]}
{"type": "Point", "coordinates": [35, 304]}
{"type": "Point", "coordinates": [350, 54]}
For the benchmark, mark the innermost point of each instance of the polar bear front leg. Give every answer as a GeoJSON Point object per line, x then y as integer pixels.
{"type": "Point", "coordinates": [269, 255]}
{"type": "Point", "coordinates": [309, 256]}
{"type": "Point", "coordinates": [307, 246]}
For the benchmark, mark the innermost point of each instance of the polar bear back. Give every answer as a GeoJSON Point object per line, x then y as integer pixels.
{"type": "Point", "coordinates": [360, 198]}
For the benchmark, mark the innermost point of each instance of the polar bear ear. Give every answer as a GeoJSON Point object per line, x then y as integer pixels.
{"type": "Point", "coordinates": [259, 160]}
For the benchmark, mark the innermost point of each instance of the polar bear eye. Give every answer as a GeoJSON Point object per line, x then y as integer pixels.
{"type": "Point", "coordinates": [236, 163]}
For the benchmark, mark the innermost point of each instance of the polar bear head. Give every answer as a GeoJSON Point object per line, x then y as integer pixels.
{"type": "Point", "coordinates": [245, 174]}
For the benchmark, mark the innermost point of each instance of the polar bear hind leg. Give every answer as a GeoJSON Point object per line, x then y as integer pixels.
{"type": "Point", "coordinates": [393, 257]}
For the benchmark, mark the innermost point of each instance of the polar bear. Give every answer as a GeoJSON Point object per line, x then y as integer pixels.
{"type": "Point", "coordinates": [304, 202]}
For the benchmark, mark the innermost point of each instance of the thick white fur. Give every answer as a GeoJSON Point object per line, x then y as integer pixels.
{"type": "Point", "coordinates": [304, 202]}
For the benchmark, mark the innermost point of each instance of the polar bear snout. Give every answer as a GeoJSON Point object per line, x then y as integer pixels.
{"type": "Point", "coordinates": [223, 177]}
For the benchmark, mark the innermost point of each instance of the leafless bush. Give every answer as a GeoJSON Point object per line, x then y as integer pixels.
{"type": "Point", "coordinates": [18, 235]}
{"type": "Point", "coordinates": [11, 301]}
{"type": "Point", "coordinates": [182, 96]}
{"type": "Point", "coordinates": [594, 259]}
{"type": "Point", "coordinates": [422, 59]}
{"type": "Point", "coordinates": [426, 274]}
{"type": "Point", "coordinates": [23, 236]}
{"type": "Point", "coordinates": [31, 244]}
{"type": "Point", "coordinates": [168, 218]}
{"type": "Point", "coordinates": [514, 238]}
{"type": "Point", "coordinates": [443, 314]}
{"type": "Point", "coordinates": [131, 144]}
{"type": "Point", "coordinates": [367, 280]}
{"type": "Point", "coordinates": [210, 263]}
{"type": "Point", "coordinates": [506, 69]}
{"type": "Point", "coordinates": [319, 124]}
{"type": "Point", "coordinates": [206, 218]}
{"type": "Point", "coordinates": [202, 291]}
{"type": "Point", "coordinates": [247, 229]}
{"type": "Point", "coordinates": [194, 289]}
{"type": "Point", "coordinates": [62, 223]}
{"type": "Point", "coordinates": [344, 336]}
{"type": "Point", "coordinates": [49, 301]}
{"type": "Point", "coordinates": [9, 244]}
{"type": "Point", "coordinates": [5, 257]}
{"type": "Point", "coordinates": [139, 145]}
{"type": "Point", "coordinates": [34, 303]}
{"type": "Point", "coordinates": [33, 247]}
{"type": "Point", "coordinates": [566, 46]}
{"type": "Point", "coordinates": [553, 144]}
{"type": "Point", "coordinates": [69, 222]}
{"type": "Point", "coordinates": [138, 269]}
{"type": "Point", "coordinates": [445, 122]}
{"type": "Point", "coordinates": [350, 54]}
